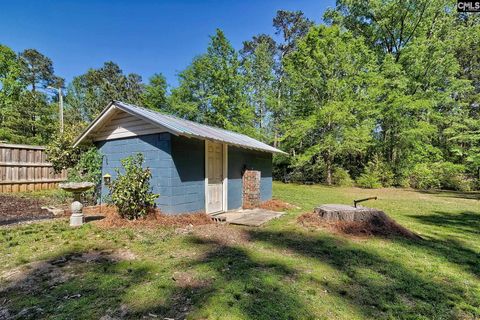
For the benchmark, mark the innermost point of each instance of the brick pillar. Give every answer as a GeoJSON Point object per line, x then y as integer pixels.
{"type": "Point", "coordinates": [251, 189]}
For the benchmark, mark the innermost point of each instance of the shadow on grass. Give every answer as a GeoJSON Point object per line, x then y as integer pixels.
{"type": "Point", "coordinates": [235, 285]}
{"type": "Point", "coordinates": [451, 250]}
{"type": "Point", "coordinates": [91, 218]}
{"type": "Point", "coordinates": [73, 285]}
{"type": "Point", "coordinates": [90, 285]}
{"type": "Point", "coordinates": [464, 224]}
{"type": "Point", "coordinates": [473, 195]}
{"type": "Point", "coordinates": [466, 221]}
{"type": "Point", "coordinates": [225, 281]}
{"type": "Point", "coordinates": [380, 287]}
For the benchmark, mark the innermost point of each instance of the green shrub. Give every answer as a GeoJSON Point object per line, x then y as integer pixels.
{"type": "Point", "coordinates": [60, 150]}
{"type": "Point", "coordinates": [452, 176]}
{"type": "Point", "coordinates": [369, 180]}
{"type": "Point", "coordinates": [440, 175]}
{"type": "Point", "coordinates": [381, 170]}
{"type": "Point", "coordinates": [341, 177]}
{"type": "Point", "coordinates": [377, 174]}
{"type": "Point", "coordinates": [130, 191]}
{"type": "Point", "coordinates": [88, 168]}
{"type": "Point", "coordinates": [402, 182]}
{"type": "Point", "coordinates": [475, 184]}
{"type": "Point", "coordinates": [424, 177]}
{"type": "Point", "coordinates": [310, 172]}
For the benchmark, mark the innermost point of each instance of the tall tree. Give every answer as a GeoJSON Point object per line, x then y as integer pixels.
{"type": "Point", "coordinates": [291, 26]}
{"type": "Point", "coordinates": [259, 67]}
{"type": "Point", "coordinates": [330, 75]}
{"type": "Point", "coordinates": [422, 95]}
{"type": "Point", "coordinates": [462, 131]}
{"type": "Point", "coordinates": [37, 69]}
{"type": "Point", "coordinates": [389, 26]}
{"type": "Point", "coordinates": [155, 93]}
{"type": "Point", "coordinates": [26, 113]}
{"type": "Point", "coordinates": [11, 87]}
{"type": "Point", "coordinates": [89, 93]}
{"type": "Point", "coordinates": [250, 46]}
{"type": "Point", "coordinates": [211, 89]}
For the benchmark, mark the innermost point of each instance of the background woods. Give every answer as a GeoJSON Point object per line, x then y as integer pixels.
{"type": "Point", "coordinates": [383, 93]}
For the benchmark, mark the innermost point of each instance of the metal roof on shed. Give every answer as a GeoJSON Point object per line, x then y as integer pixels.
{"type": "Point", "coordinates": [184, 127]}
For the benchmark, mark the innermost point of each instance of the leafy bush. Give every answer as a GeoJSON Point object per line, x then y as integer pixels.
{"type": "Point", "coordinates": [475, 184]}
{"type": "Point", "coordinates": [130, 191]}
{"type": "Point", "coordinates": [60, 150]}
{"type": "Point", "coordinates": [452, 176]}
{"type": "Point", "coordinates": [402, 182]}
{"type": "Point", "coordinates": [382, 171]}
{"type": "Point", "coordinates": [341, 177]}
{"type": "Point", "coordinates": [311, 172]}
{"type": "Point", "coordinates": [377, 174]}
{"type": "Point", "coordinates": [444, 175]}
{"type": "Point", "coordinates": [424, 177]}
{"type": "Point", "coordinates": [369, 180]}
{"type": "Point", "coordinates": [88, 168]}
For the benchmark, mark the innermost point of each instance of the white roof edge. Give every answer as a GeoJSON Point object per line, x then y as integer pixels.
{"type": "Point", "coordinates": [92, 124]}
{"type": "Point", "coordinates": [150, 117]}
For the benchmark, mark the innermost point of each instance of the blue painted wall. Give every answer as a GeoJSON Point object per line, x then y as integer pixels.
{"type": "Point", "coordinates": [179, 183]}
{"type": "Point", "coordinates": [238, 159]}
{"type": "Point", "coordinates": [188, 174]}
{"type": "Point", "coordinates": [178, 169]}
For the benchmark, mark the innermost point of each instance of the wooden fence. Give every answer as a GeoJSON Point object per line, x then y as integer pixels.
{"type": "Point", "coordinates": [25, 168]}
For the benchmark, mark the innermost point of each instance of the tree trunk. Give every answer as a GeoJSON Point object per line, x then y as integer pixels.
{"type": "Point", "coordinates": [328, 163]}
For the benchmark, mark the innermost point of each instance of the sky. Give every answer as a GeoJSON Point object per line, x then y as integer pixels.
{"type": "Point", "coordinates": [143, 37]}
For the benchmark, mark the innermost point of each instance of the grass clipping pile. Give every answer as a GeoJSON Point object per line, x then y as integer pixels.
{"type": "Point", "coordinates": [108, 217]}
{"type": "Point", "coordinates": [360, 222]}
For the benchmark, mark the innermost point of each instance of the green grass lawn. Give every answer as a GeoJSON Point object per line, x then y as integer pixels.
{"type": "Point", "coordinates": [279, 271]}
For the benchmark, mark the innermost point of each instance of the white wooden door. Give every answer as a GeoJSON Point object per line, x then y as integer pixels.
{"type": "Point", "coordinates": [214, 177]}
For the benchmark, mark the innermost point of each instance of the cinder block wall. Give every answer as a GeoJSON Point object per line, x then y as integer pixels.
{"type": "Point", "coordinates": [176, 164]}
{"type": "Point", "coordinates": [238, 159]}
{"type": "Point", "coordinates": [188, 174]}
{"type": "Point", "coordinates": [178, 169]}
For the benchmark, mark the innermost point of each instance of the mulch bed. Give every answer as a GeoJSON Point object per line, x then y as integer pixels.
{"type": "Point", "coordinates": [276, 205]}
{"type": "Point", "coordinates": [384, 228]}
{"type": "Point", "coordinates": [109, 218]}
{"type": "Point", "coordinates": [17, 208]}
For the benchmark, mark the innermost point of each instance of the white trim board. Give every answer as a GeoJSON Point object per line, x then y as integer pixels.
{"type": "Point", "coordinates": [225, 177]}
{"type": "Point", "coordinates": [205, 156]}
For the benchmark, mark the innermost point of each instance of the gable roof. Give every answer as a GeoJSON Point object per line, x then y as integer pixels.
{"type": "Point", "coordinates": [178, 127]}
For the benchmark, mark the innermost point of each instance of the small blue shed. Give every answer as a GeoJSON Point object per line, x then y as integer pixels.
{"type": "Point", "coordinates": [194, 167]}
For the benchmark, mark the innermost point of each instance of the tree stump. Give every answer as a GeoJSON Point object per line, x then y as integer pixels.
{"type": "Point", "coordinates": [341, 212]}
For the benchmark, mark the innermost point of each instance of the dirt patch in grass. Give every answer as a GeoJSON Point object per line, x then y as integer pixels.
{"type": "Point", "coordinates": [223, 234]}
{"type": "Point", "coordinates": [28, 276]}
{"type": "Point", "coordinates": [376, 227]}
{"type": "Point", "coordinates": [277, 205]}
{"type": "Point", "coordinates": [41, 278]}
{"type": "Point", "coordinates": [108, 217]}
{"type": "Point", "coordinates": [189, 279]}
{"type": "Point", "coordinates": [20, 208]}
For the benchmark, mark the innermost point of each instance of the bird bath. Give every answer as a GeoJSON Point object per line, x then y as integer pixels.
{"type": "Point", "coordinates": [77, 218]}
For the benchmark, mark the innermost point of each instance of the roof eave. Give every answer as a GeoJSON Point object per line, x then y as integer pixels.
{"type": "Point", "coordinates": [119, 105]}
{"type": "Point", "coordinates": [90, 127]}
